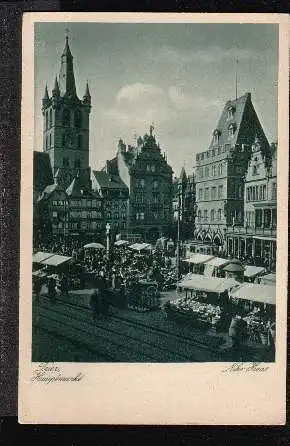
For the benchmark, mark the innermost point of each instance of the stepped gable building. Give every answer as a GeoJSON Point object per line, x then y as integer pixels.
{"type": "Point", "coordinates": [148, 177]}
{"type": "Point", "coordinates": [115, 195]}
{"type": "Point", "coordinates": [221, 171]}
{"type": "Point", "coordinates": [257, 238]}
{"type": "Point", "coordinates": [66, 125]}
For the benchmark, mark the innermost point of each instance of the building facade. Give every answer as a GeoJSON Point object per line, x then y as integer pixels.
{"type": "Point", "coordinates": [115, 196]}
{"type": "Point", "coordinates": [148, 177]}
{"type": "Point", "coordinates": [66, 125]}
{"type": "Point", "coordinates": [256, 239]}
{"type": "Point", "coordinates": [184, 206]}
{"type": "Point", "coordinates": [221, 170]}
{"type": "Point", "coordinates": [85, 212]}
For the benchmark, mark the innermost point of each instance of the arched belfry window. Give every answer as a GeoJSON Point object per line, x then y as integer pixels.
{"type": "Point", "coordinates": [66, 118]}
{"type": "Point", "coordinates": [78, 118]}
{"type": "Point", "coordinates": [50, 118]}
{"type": "Point", "coordinates": [46, 120]}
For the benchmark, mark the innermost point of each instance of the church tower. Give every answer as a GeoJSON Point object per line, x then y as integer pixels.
{"type": "Point", "coordinates": [66, 125]}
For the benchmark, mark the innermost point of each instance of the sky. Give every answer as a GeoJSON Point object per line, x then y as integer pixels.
{"type": "Point", "coordinates": [176, 76]}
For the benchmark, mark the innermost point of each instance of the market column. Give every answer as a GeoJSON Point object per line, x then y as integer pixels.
{"type": "Point", "coordinates": [108, 228]}
{"type": "Point", "coordinates": [253, 248]}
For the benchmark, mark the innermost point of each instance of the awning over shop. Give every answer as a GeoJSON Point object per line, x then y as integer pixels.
{"type": "Point", "coordinates": [253, 271]}
{"type": "Point", "coordinates": [121, 243]}
{"type": "Point", "coordinates": [40, 256]}
{"type": "Point", "coordinates": [217, 262]}
{"type": "Point", "coordinates": [268, 279]}
{"type": "Point", "coordinates": [256, 293]}
{"type": "Point", "coordinates": [199, 258]}
{"type": "Point", "coordinates": [208, 284]}
{"type": "Point", "coordinates": [262, 237]}
{"type": "Point", "coordinates": [56, 260]}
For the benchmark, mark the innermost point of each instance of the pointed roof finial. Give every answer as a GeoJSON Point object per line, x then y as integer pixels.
{"type": "Point", "coordinates": [66, 51]}
{"type": "Point", "coordinates": [46, 97]}
{"type": "Point", "coordinates": [87, 92]}
{"type": "Point", "coordinates": [151, 129]}
{"type": "Point", "coordinates": [55, 90]}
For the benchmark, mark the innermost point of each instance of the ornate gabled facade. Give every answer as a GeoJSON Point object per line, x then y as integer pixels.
{"type": "Point", "coordinates": [115, 197]}
{"type": "Point", "coordinates": [66, 125]}
{"type": "Point", "coordinates": [221, 171]}
{"type": "Point", "coordinates": [148, 177]}
{"type": "Point", "coordinates": [85, 212]}
{"type": "Point", "coordinates": [256, 240]}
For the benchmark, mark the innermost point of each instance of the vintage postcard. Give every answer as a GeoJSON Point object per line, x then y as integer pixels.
{"type": "Point", "coordinates": [154, 192]}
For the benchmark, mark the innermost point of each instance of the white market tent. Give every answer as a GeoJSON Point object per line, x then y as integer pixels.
{"type": "Point", "coordinates": [94, 246]}
{"type": "Point", "coordinates": [208, 284]}
{"type": "Point", "coordinates": [253, 271]}
{"type": "Point", "coordinates": [40, 256]}
{"type": "Point", "coordinates": [268, 279]}
{"type": "Point", "coordinates": [199, 258]}
{"type": "Point", "coordinates": [256, 293]}
{"type": "Point", "coordinates": [121, 243]}
{"type": "Point", "coordinates": [140, 246]}
{"type": "Point", "coordinates": [56, 260]}
{"type": "Point", "coordinates": [217, 262]}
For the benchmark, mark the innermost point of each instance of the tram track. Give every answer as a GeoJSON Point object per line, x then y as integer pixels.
{"type": "Point", "coordinates": [138, 348]}
{"type": "Point", "coordinates": [137, 323]}
{"type": "Point", "coordinates": [137, 329]}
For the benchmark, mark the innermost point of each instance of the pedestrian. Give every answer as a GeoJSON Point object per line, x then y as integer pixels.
{"type": "Point", "coordinates": [95, 303]}
{"type": "Point", "coordinates": [237, 331]}
{"type": "Point", "coordinates": [37, 285]}
{"type": "Point", "coordinates": [52, 290]}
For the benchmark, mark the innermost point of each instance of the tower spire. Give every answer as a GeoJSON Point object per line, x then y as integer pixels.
{"type": "Point", "coordinates": [66, 78]}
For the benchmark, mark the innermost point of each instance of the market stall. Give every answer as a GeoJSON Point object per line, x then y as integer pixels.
{"type": "Point", "coordinates": [203, 303]}
{"type": "Point", "coordinates": [94, 246]}
{"type": "Point", "coordinates": [267, 279]}
{"type": "Point", "coordinates": [234, 270]}
{"type": "Point", "coordinates": [251, 272]}
{"type": "Point", "coordinates": [213, 267]}
{"type": "Point", "coordinates": [257, 304]}
{"type": "Point", "coordinates": [197, 261]}
{"type": "Point", "coordinates": [143, 295]}
{"type": "Point", "coordinates": [121, 243]}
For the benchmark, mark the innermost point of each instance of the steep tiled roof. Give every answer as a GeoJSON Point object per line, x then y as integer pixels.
{"type": "Point", "coordinates": [42, 171]}
{"type": "Point", "coordinates": [238, 105]}
{"type": "Point", "coordinates": [107, 181]}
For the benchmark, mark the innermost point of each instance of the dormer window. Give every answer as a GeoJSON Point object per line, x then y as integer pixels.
{"type": "Point", "coordinates": [230, 112]}
{"type": "Point", "coordinates": [216, 136]}
{"type": "Point", "coordinates": [232, 129]}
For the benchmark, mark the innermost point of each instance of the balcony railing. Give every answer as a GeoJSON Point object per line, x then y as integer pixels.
{"type": "Point", "coordinates": [267, 232]}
